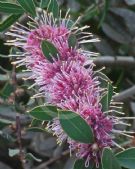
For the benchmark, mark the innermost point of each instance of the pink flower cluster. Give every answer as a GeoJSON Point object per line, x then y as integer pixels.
{"type": "Point", "coordinates": [66, 82]}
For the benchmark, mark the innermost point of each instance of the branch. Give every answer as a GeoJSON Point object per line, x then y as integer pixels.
{"type": "Point", "coordinates": [108, 61]}
{"type": "Point", "coordinates": [52, 160]}
{"type": "Point", "coordinates": [19, 76]}
{"type": "Point", "coordinates": [115, 62]}
{"type": "Point", "coordinates": [125, 95]}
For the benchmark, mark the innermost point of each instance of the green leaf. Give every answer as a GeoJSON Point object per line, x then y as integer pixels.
{"type": "Point", "coordinates": [10, 8]}
{"type": "Point", "coordinates": [69, 23]}
{"type": "Point", "coordinates": [106, 7]}
{"type": "Point", "coordinates": [76, 127]}
{"type": "Point", "coordinates": [37, 3]}
{"type": "Point", "coordinates": [127, 158]}
{"type": "Point", "coordinates": [103, 79]}
{"type": "Point", "coordinates": [36, 123]}
{"type": "Point", "coordinates": [44, 3]}
{"type": "Point", "coordinates": [109, 161]}
{"type": "Point", "coordinates": [84, 3]}
{"type": "Point", "coordinates": [90, 13]}
{"type": "Point", "coordinates": [31, 157]}
{"type": "Point", "coordinates": [106, 99]}
{"type": "Point", "coordinates": [72, 41]}
{"type": "Point", "coordinates": [100, 167]}
{"type": "Point", "coordinates": [13, 152]}
{"type": "Point", "coordinates": [4, 123]}
{"type": "Point", "coordinates": [28, 6]}
{"type": "Point", "coordinates": [6, 139]}
{"type": "Point", "coordinates": [49, 50]}
{"type": "Point", "coordinates": [7, 90]}
{"type": "Point", "coordinates": [8, 22]}
{"type": "Point", "coordinates": [44, 113]}
{"type": "Point", "coordinates": [54, 8]}
{"type": "Point", "coordinates": [80, 164]}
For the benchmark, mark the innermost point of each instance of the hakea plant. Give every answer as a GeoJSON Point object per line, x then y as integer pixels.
{"type": "Point", "coordinates": [79, 107]}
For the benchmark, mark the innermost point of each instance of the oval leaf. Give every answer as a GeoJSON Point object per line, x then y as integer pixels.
{"type": "Point", "coordinates": [10, 8]}
{"type": "Point", "coordinates": [100, 167]}
{"type": "Point", "coordinates": [6, 90]}
{"type": "Point", "coordinates": [103, 15]}
{"type": "Point", "coordinates": [9, 21]}
{"type": "Point", "coordinates": [72, 40]}
{"type": "Point", "coordinates": [44, 3]}
{"type": "Point", "coordinates": [28, 6]}
{"type": "Point", "coordinates": [105, 101]}
{"type": "Point", "coordinates": [49, 50]}
{"type": "Point", "coordinates": [4, 123]}
{"type": "Point", "coordinates": [108, 160]}
{"type": "Point", "coordinates": [127, 158]}
{"type": "Point", "coordinates": [13, 152]}
{"type": "Point", "coordinates": [44, 113]}
{"type": "Point", "coordinates": [69, 23]}
{"type": "Point", "coordinates": [80, 164]}
{"type": "Point", "coordinates": [31, 157]}
{"type": "Point", "coordinates": [53, 7]}
{"type": "Point", "coordinates": [36, 123]}
{"type": "Point", "coordinates": [76, 127]}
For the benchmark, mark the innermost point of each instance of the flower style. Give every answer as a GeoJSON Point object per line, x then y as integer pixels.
{"type": "Point", "coordinates": [65, 81]}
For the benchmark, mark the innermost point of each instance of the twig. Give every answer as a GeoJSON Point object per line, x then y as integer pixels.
{"type": "Point", "coordinates": [18, 129]}
{"type": "Point", "coordinates": [52, 160]}
{"type": "Point", "coordinates": [18, 122]}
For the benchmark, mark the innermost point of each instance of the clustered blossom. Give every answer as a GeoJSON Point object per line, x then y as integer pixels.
{"type": "Point", "coordinates": [65, 81]}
